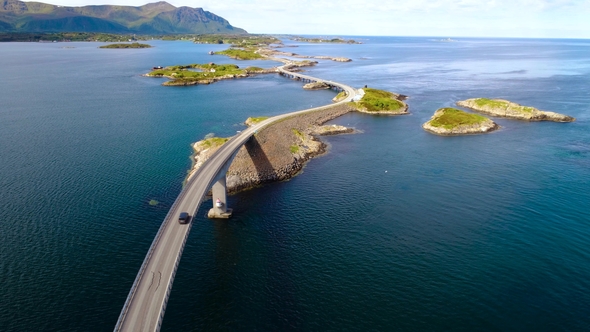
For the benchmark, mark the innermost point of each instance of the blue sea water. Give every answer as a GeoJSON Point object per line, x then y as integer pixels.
{"type": "Point", "coordinates": [392, 229]}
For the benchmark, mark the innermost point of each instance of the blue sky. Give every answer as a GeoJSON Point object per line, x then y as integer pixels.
{"type": "Point", "coordinates": [445, 18]}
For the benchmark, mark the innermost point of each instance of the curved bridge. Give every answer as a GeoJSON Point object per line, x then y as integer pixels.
{"type": "Point", "coordinates": [146, 302]}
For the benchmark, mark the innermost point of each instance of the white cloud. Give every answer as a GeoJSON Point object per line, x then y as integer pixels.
{"type": "Point", "coordinates": [512, 18]}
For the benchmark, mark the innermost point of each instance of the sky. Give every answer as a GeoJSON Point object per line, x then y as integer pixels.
{"type": "Point", "coordinates": [443, 18]}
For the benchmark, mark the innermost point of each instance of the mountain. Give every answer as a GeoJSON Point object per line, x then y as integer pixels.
{"type": "Point", "coordinates": [153, 18]}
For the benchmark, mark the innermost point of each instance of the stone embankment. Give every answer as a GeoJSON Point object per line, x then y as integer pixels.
{"type": "Point", "coordinates": [508, 109]}
{"type": "Point", "coordinates": [277, 152]}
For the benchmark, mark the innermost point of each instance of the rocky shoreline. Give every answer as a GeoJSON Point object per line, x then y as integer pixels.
{"type": "Point", "coordinates": [508, 109]}
{"type": "Point", "coordinates": [316, 86]}
{"type": "Point", "coordinates": [277, 152]}
{"type": "Point", "coordinates": [456, 125]}
{"type": "Point", "coordinates": [267, 52]}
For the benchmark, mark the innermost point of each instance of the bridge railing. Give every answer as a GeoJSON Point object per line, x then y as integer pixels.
{"type": "Point", "coordinates": [193, 178]}
{"type": "Point", "coordinates": [152, 248]}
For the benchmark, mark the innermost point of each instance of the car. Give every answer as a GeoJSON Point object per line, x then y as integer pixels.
{"type": "Point", "coordinates": [184, 218]}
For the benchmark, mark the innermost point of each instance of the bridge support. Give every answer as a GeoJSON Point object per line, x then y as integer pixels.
{"type": "Point", "coordinates": [219, 193]}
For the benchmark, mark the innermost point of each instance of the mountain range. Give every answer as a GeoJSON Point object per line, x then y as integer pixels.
{"type": "Point", "coordinates": [154, 18]}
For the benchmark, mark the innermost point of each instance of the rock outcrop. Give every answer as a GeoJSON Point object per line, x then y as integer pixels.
{"type": "Point", "coordinates": [331, 130]}
{"type": "Point", "coordinates": [451, 121]}
{"type": "Point", "coordinates": [373, 101]}
{"type": "Point", "coordinates": [337, 59]}
{"type": "Point", "coordinates": [316, 86]}
{"type": "Point", "coordinates": [508, 109]}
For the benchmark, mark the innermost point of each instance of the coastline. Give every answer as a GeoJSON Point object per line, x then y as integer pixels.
{"type": "Point", "coordinates": [279, 151]}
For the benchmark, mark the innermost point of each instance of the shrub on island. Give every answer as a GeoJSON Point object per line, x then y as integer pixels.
{"type": "Point", "coordinates": [132, 45]}
{"type": "Point", "coordinates": [252, 121]}
{"type": "Point", "coordinates": [451, 121]}
{"type": "Point", "coordinates": [240, 54]}
{"type": "Point", "coordinates": [505, 108]}
{"type": "Point", "coordinates": [202, 73]}
{"type": "Point", "coordinates": [381, 102]}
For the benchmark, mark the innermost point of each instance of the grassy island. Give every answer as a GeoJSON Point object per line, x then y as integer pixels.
{"type": "Point", "coordinates": [505, 108]}
{"type": "Point", "coordinates": [381, 102]}
{"type": "Point", "coordinates": [325, 40]}
{"type": "Point", "coordinates": [252, 121]}
{"type": "Point", "coordinates": [237, 40]}
{"type": "Point", "coordinates": [241, 54]}
{"type": "Point", "coordinates": [132, 45]}
{"type": "Point", "coordinates": [204, 73]}
{"type": "Point", "coordinates": [451, 121]}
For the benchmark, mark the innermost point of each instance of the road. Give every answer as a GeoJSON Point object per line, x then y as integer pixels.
{"type": "Point", "coordinates": [146, 302]}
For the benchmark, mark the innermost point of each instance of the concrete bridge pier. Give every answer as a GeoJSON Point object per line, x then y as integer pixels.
{"type": "Point", "coordinates": [219, 193]}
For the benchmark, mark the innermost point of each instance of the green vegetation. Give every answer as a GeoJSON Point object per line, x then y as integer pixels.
{"type": "Point", "coordinates": [153, 202]}
{"type": "Point", "coordinates": [297, 133]}
{"type": "Point", "coordinates": [294, 148]}
{"type": "Point", "coordinates": [483, 102]}
{"type": "Point", "coordinates": [240, 54]}
{"type": "Point", "coordinates": [494, 103]}
{"type": "Point", "coordinates": [205, 73]}
{"type": "Point", "coordinates": [452, 117]}
{"type": "Point", "coordinates": [253, 121]}
{"type": "Point", "coordinates": [236, 40]}
{"type": "Point", "coordinates": [132, 45]}
{"type": "Point", "coordinates": [380, 101]}
{"type": "Point", "coordinates": [214, 141]}
{"type": "Point", "coordinates": [323, 40]}
{"type": "Point", "coordinates": [253, 69]}
{"type": "Point", "coordinates": [70, 36]}
{"type": "Point", "coordinates": [154, 18]}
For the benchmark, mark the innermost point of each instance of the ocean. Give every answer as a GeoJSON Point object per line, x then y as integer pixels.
{"type": "Point", "coordinates": [392, 229]}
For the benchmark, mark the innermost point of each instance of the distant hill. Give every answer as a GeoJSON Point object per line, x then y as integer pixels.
{"type": "Point", "coordinates": [154, 18]}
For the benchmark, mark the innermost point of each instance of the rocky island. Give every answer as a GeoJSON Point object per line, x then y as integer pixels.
{"type": "Point", "coordinates": [124, 45]}
{"type": "Point", "coordinates": [451, 121]}
{"type": "Point", "coordinates": [375, 101]}
{"type": "Point", "coordinates": [269, 53]}
{"type": "Point", "coordinates": [204, 73]}
{"type": "Point", "coordinates": [507, 109]}
{"type": "Point", "coordinates": [316, 86]}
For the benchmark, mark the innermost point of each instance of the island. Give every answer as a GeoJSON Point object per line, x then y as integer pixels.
{"type": "Point", "coordinates": [132, 45]}
{"type": "Point", "coordinates": [451, 121]}
{"type": "Point", "coordinates": [375, 101]}
{"type": "Point", "coordinates": [508, 109]}
{"type": "Point", "coordinates": [325, 40]}
{"type": "Point", "coordinates": [194, 74]}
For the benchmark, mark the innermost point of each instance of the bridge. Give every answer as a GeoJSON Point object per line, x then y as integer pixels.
{"type": "Point", "coordinates": [146, 303]}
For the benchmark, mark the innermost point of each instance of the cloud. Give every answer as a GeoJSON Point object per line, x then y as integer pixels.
{"type": "Point", "coordinates": [512, 18]}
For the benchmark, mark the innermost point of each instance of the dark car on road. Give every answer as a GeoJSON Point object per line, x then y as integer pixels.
{"type": "Point", "coordinates": [184, 218]}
